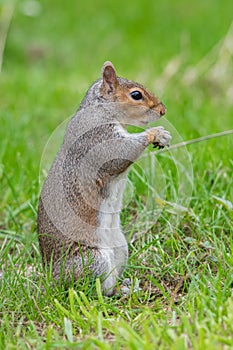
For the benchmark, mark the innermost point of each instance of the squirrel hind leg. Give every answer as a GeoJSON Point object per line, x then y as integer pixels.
{"type": "Point", "coordinates": [105, 269]}
{"type": "Point", "coordinates": [88, 262]}
{"type": "Point", "coordinates": [108, 284]}
{"type": "Point", "coordinates": [114, 262]}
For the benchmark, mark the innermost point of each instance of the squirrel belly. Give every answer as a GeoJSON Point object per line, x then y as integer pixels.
{"type": "Point", "coordinates": [112, 242]}
{"type": "Point", "coordinates": [109, 230]}
{"type": "Point", "coordinates": [80, 204]}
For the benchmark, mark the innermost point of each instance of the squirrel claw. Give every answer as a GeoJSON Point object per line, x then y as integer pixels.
{"type": "Point", "coordinates": [158, 145]}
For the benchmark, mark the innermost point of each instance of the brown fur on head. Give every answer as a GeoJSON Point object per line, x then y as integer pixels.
{"type": "Point", "coordinates": [137, 101]}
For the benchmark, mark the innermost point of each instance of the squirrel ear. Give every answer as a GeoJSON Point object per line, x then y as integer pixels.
{"type": "Point", "coordinates": [109, 77]}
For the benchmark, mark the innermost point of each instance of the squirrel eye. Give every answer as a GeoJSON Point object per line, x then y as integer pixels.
{"type": "Point", "coordinates": [136, 95]}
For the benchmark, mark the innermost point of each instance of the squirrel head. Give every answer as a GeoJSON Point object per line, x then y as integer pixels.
{"type": "Point", "coordinates": [138, 105]}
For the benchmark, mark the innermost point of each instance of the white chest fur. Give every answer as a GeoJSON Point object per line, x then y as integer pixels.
{"type": "Point", "coordinates": [109, 230]}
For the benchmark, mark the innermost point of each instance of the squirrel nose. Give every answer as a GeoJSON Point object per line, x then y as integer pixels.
{"type": "Point", "coordinates": [161, 109]}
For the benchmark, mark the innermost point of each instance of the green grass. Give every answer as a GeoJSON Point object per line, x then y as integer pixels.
{"type": "Point", "coordinates": [181, 250]}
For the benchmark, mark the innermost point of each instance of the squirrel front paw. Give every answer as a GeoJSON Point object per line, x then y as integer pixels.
{"type": "Point", "coordinates": [159, 137]}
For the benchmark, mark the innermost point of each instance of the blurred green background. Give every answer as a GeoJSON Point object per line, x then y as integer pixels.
{"type": "Point", "coordinates": [54, 50]}
{"type": "Point", "coordinates": [51, 52]}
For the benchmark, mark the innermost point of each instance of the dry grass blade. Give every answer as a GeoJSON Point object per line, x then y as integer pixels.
{"type": "Point", "coordinates": [199, 139]}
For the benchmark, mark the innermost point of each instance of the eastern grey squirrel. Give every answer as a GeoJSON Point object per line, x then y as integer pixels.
{"type": "Point", "coordinates": [80, 203]}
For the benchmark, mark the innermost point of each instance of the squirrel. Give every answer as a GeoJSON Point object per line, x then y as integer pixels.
{"type": "Point", "coordinates": [80, 203]}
